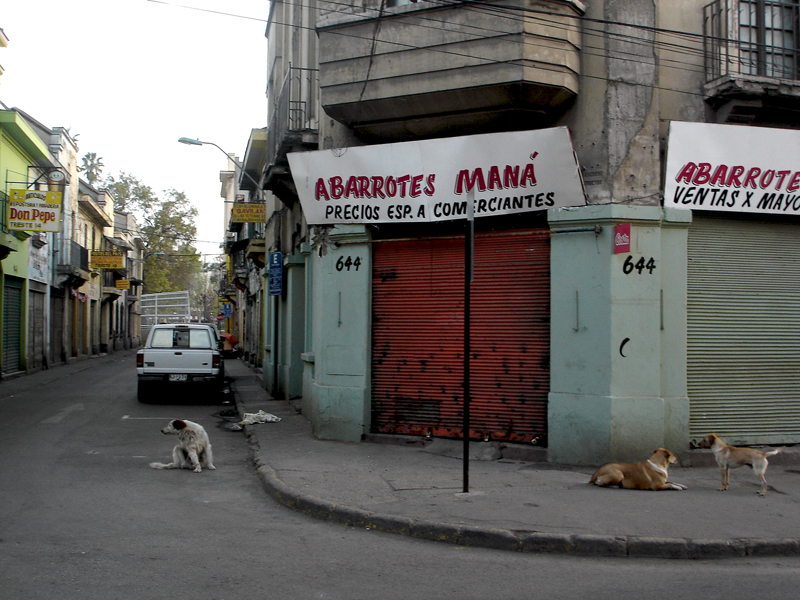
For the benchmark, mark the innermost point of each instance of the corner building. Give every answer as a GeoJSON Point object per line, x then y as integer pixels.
{"type": "Point", "coordinates": [602, 327]}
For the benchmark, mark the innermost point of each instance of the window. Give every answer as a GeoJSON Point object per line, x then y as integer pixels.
{"type": "Point", "coordinates": [162, 338]}
{"type": "Point", "coordinates": [752, 37]}
{"type": "Point", "coordinates": [181, 338]}
{"type": "Point", "coordinates": [767, 36]}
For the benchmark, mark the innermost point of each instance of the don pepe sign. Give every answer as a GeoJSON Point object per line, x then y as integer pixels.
{"type": "Point", "coordinates": [34, 210]}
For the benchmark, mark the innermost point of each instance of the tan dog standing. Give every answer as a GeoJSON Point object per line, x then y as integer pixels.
{"type": "Point", "coordinates": [731, 457]}
{"type": "Point", "coordinates": [649, 474]}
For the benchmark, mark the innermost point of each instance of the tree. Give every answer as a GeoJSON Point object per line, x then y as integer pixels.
{"type": "Point", "coordinates": [92, 166]}
{"type": "Point", "coordinates": [131, 195]}
{"type": "Point", "coordinates": [168, 230]}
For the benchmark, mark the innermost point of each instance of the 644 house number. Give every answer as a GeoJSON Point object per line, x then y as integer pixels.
{"type": "Point", "coordinates": [347, 263]}
{"type": "Point", "coordinates": [640, 266]}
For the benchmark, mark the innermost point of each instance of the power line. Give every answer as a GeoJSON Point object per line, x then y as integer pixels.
{"type": "Point", "coordinates": [680, 43]}
{"type": "Point", "coordinates": [519, 15]}
{"type": "Point", "coordinates": [208, 10]}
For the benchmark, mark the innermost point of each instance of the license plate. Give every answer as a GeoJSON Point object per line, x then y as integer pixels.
{"type": "Point", "coordinates": [178, 377]}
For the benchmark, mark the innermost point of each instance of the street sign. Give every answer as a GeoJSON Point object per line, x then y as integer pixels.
{"type": "Point", "coordinates": [275, 273]}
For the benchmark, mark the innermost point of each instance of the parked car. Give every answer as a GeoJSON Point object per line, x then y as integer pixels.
{"type": "Point", "coordinates": [180, 358]}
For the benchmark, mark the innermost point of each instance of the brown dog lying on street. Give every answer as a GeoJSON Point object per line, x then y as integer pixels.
{"type": "Point", "coordinates": [649, 474]}
{"type": "Point", "coordinates": [731, 457]}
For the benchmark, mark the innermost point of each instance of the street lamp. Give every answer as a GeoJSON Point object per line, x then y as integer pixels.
{"type": "Point", "coordinates": [192, 142]}
{"type": "Point", "coordinates": [146, 256]}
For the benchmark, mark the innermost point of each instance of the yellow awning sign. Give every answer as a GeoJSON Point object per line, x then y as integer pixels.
{"type": "Point", "coordinates": [102, 259]}
{"type": "Point", "coordinates": [123, 284]}
{"type": "Point", "coordinates": [34, 210]}
{"type": "Point", "coordinates": [248, 212]}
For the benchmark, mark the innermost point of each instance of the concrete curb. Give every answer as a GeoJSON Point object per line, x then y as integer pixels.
{"type": "Point", "coordinates": [516, 541]}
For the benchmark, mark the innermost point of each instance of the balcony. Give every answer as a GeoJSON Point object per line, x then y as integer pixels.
{"type": "Point", "coordinates": [74, 264]}
{"type": "Point", "coordinates": [752, 73]}
{"type": "Point", "coordinates": [424, 69]}
{"type": "Point", "coordinates": [256, 252]}
{"type": "Point", "coordinates": [294, 127]}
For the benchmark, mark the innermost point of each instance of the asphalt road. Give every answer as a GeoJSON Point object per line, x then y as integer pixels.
{"type": "Point", "coordinates": [82, 516]}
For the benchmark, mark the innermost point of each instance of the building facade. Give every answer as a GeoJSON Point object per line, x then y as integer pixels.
{"type": "Point", "coordinates": [23, 158]}
{"type": "Point", "coordinates": [57, 307]}
{"type": "Point", "coordinates": [600, 328]}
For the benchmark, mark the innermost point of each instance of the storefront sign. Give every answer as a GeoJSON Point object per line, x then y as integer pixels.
{"type": "Point", "coordinates": [733, 168]}
{"type": "Point", "coordinates": [34, 211]}
{"type": "Point", "coordinates": [432, 180]}
{"type": "Point", "coordinates": [123, 284]}
{"type": "Point", "coordinates": [101, 259]}
{"type": "Point", "coordinates": [248, 212]}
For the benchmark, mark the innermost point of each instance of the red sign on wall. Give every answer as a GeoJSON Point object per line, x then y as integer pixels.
{"type": "Point", "coordinates": [622, 238]}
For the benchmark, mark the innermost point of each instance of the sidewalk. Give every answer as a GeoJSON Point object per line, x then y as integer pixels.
{"type": "Point", "coordinates": [406, 488]}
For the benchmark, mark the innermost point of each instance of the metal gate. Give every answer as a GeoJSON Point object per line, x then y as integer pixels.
{"type": "Point", "coordinates": [743, 362]}
{"type": "Point", "coordinates": [36, 324]}
{"type": "Point", "coordinates": [57, 326]}
{"type": "Point", "coordinates": [12, 325]}
{"type": "Point", "coordinates": [418, 326]}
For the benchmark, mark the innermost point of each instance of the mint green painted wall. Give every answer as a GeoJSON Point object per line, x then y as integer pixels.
{"type": "Point", "coordinates": [294, 326]}
{"type": "Point", "coordinates": [608, 401]}
{"type": "Point", "coordinates": [674, 237]}
{"type": "Point", "coordinates": [338, 360]}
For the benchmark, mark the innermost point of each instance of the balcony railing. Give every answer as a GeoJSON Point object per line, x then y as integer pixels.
{"type": "Point", "coordinates": [78, 257]}
{"type": "Point", "coordinates": [752, 39]}
{"type": "Point", "coordinates": [295, 113]}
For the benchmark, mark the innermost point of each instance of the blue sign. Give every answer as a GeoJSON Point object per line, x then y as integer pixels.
{"type": "Point", "coordinates": [275, 273]}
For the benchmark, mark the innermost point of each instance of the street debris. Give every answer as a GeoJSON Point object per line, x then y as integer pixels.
{"type": "Point", "coordinates": [259, 417]}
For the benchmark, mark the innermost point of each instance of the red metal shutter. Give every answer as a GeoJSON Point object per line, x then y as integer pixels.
{"type": "Point", "coordinates": [418, 327]}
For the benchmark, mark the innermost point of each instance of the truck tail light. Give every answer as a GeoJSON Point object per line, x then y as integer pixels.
{"type": "Point", "coordinates": [139, 360]}
{"type": "Point", "coordinates": [215, 361]}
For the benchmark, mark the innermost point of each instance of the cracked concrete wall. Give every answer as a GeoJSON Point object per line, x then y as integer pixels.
{"type": "Point", "coordinates": [620, 158]}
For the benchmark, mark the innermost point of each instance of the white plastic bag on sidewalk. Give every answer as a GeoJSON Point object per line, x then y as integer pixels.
{"type": "Point", "coordinates": [259, 417]}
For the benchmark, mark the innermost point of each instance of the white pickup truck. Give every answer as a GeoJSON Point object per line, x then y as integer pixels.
{"type": "Point", "coordinates": [179, 358]}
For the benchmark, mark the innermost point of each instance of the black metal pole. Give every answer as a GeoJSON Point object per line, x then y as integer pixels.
{"type": "Point", "coordinates": [469, 239]}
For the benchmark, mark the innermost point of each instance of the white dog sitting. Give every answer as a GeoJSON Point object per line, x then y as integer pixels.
{"type": "Point", "coordinates": [193, 449]}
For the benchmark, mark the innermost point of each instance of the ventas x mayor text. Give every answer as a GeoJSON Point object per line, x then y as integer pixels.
{"type": "Point", "coordinates": [729, 186]}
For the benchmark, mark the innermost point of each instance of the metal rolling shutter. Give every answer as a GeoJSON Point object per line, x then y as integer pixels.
{"type": "Point", "coordinates": [57, 350]}
{"type": "Point", "coordinates": [36, 351]}
{"type": "Point", "coordinates": [744, 330]}
{"type": "Point", "coordinates": [418, 303]}
{"type": "Point", "coordinates": [12, 325]}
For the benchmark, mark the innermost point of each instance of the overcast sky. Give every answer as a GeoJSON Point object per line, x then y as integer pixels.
{"type": "Point", "coordinates": [130, 77]}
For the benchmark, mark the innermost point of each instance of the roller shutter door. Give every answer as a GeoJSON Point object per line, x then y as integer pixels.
{"type": "Point", "coordinates": [744, 330]}
{"type": "Point", "coordinates": [36, 324]}
{"type": "Point", "coordinates": [417, 363]}
{"type": "Point", "coordinates": [12, 325]}
{"type": "Point", "coordinates": [57, 326]}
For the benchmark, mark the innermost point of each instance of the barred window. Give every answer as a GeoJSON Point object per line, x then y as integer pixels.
{"type": "Point", "coordinates": [767, 37]}
{"type": "Point", "coordinates": [752, 37]}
